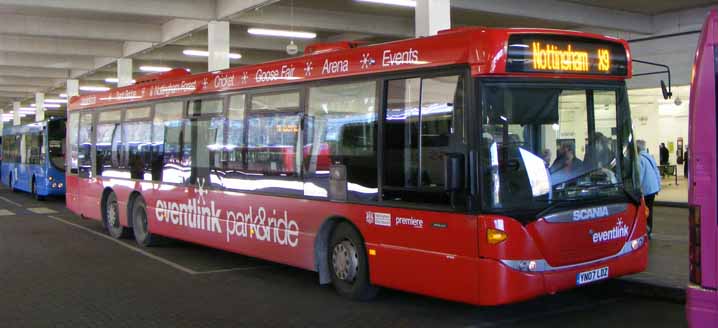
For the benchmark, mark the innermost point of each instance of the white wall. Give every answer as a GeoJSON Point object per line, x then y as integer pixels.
{"type": "Point", "coordinates": [656, 120]}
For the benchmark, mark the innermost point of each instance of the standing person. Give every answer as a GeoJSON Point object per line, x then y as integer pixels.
{"type": "Point", "coordinates": [650, 180]}
{"type": "Point", "coordinates": [664, 154]}
{"type": "Point", "coordinates": [663, 158]}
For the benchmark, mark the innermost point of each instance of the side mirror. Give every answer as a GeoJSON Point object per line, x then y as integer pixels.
{"type": "Point", "coordinates": [666, 93]}
{"type": "Point", "coordinates": [454, 172]}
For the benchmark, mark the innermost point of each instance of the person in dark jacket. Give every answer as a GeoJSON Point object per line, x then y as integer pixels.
{"type": "Point", "coordinates": [664, 154]}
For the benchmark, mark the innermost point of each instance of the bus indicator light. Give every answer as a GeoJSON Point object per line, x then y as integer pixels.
{"type": "Point", "coordinates": [494, 236]}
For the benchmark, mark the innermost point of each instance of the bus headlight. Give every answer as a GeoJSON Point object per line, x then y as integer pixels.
{"type": "Point", "coordinates": [59, 185]}
{"type": "Point", "coordinates": [54, 185]}
{"type": "Point", "coordinates": [49, 178]}
{"type": "Point", "coordinates": [637, 243]}
{"type": "Point", "coordinates": [537, 265]}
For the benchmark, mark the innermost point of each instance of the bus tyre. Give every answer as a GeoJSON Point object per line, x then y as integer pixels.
{"type": "Point", "coordinates": [348, 264]}
{"type": "Point", "coordinates": [11, 185]}
{"type": "Point", "coordinates": [111, 218]}
{"type": "Point", "coordinates": [34, 191]}
{"type": "Point", "coordinates": [143, 237]}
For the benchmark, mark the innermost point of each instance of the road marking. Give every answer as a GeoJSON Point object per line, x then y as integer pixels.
{"type": "Point", "coordinates": [11, 202]}
{"type": "Point", "coordinates": [41, 210]}
{"type": "Point", "coordinates": [258, 267]}
{"type": "Point", "coordinates": [4, 212]}
{"type": "Point", "coordinates": [150, 255]}
{"type": "Point", "coordinates": [132, 248]}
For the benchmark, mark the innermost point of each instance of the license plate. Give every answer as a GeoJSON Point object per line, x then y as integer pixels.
{"type": "Point", "coordinates": [591, 276]}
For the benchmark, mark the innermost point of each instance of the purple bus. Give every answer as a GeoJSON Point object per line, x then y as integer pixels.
{"type": "Point", "coordinates": [702, 291]}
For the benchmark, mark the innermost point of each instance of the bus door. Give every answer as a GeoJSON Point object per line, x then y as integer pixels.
{"type": "Point", "coordinates": [423, 132]}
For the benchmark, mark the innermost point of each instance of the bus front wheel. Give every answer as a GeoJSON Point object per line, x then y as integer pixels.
{"type": "Point", "coordinates": [140, 228]}
{"type": "Point", "coordinates": [34, 190]}
{"type": "Point", "coordinates": [348, 264]}
{"type": "Point", "coordinates": [112, 218]}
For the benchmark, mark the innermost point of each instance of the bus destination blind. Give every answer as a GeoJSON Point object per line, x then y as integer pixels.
{"type": "Point", "coordinates": [540, 53]}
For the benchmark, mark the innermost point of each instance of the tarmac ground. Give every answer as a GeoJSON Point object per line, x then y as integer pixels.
{"type": "Point", "coordinates": [58, 270]}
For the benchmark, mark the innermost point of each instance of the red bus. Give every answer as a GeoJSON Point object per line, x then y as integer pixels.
{"type": "Point", "coordinates": [485, 166]}
{"type": "Point", "coordinates": [702, 294]}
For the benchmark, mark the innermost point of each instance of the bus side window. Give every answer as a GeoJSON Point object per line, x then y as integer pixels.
{"type": "Point", "coordinates": [234, 148]}
{"type": "Point", "coordinates": [167, 164]}
{"type": "Point", "coordinates": [137, 131]}
{"type": "Point", "coordinates": [84, 157]}
{"type": "Point", "coordinates": [204, 132]}
{"type": "Point", "coordinates": [418, 131]}
{"type": "Point", "coordinates": [340, 130]}
{"type": "Point", "coordinates": [72, 130]}
{"type": "Point", "coordinates": [273, 134]}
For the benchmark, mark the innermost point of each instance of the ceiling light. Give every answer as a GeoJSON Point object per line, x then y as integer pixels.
{"type": "Point", "coordinates": [155, 69]}
{"type": "Point", "coordinates": [114, 80]}
{"type": "Point", "coordinates": [48, 105]}
{"type": "Point", "coordinates": [403, 3]}
{"type": "Point", "coordinates": [282, 33]}
{"type": "Point", "coordinates": [63, 95]}
{"type": "Point", "coordinates": [55, 101]}
{"type": "Point", "coordinates": [93, 88]}
{"type": "Point", "coordinates": [202, 53]}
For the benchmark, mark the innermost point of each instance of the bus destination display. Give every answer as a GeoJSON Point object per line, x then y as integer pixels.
{"type": "Point", "coordinates": [534, 53]}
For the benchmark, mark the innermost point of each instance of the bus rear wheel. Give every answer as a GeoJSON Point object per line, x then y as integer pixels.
{"type": "Point", "coordinates": [348, 264]}
{"type": "Point", "coordinates": [112, 218]}
{"type": "Point", "coordinates": [140, 228]}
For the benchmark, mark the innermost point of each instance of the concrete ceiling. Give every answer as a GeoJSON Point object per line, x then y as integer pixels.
{"type": "Point", "coordinates": [45, 42]}
{"type": "Point", "coordinates": [647, 7]}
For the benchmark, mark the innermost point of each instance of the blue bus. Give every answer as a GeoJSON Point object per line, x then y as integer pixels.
{"type": "Point", "coordinates": [34, 158]}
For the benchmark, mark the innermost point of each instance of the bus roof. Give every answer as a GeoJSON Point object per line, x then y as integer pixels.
{"type": "Point", "coordinates": [485, 50]}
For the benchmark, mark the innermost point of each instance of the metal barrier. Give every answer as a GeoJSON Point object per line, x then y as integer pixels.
{"type": "Point", "coordinates": [669, 170]}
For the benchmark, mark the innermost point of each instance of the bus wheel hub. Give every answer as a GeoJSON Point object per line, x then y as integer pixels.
{"type": "Point", "coordinates": [345, 260]}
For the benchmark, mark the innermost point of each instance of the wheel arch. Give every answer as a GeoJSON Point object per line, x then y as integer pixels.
{"type": "Point", "coordinates": [321, 245]}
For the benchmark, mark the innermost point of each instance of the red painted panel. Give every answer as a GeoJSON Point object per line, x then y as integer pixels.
{"type": "Point", "coordinates": [576, 242]}
{"type": "Point", "coordinates": [481, 48]}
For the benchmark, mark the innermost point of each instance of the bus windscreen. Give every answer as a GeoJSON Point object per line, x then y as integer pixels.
{"type": "Point", "coordinates": [56, 143]}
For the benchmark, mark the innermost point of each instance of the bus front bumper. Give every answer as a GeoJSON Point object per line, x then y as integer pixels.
{"type": "Point", "coordinates": [502, 284]}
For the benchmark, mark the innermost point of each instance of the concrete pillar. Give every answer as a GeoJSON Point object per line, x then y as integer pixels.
{"type": "Point", "coordinates": [73, 89]}
{"type": "Point", "coordinates": [2, 120]}
{"type": "Point", "coordinates": [218, 41]}
{"type": "Point", "coordinates": [39, 106]}
{"type": "Point", "coordinates": [16, 113]}
{"type": "Point", "coordinates": [431, 16]}
{"type": "Point", "coordinates": [124, 72]}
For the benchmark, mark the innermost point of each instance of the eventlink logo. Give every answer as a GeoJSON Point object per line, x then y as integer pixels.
{"type": "Point", "coordinates": [617, 232]}
{"type": "Point", "coordinates": [271, 226]}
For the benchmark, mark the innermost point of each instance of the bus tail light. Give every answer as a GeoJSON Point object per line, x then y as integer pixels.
{"type": "Point", "coordinates": [494, 236]}
{"type": "Point", "coordinates": [694, 246]}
